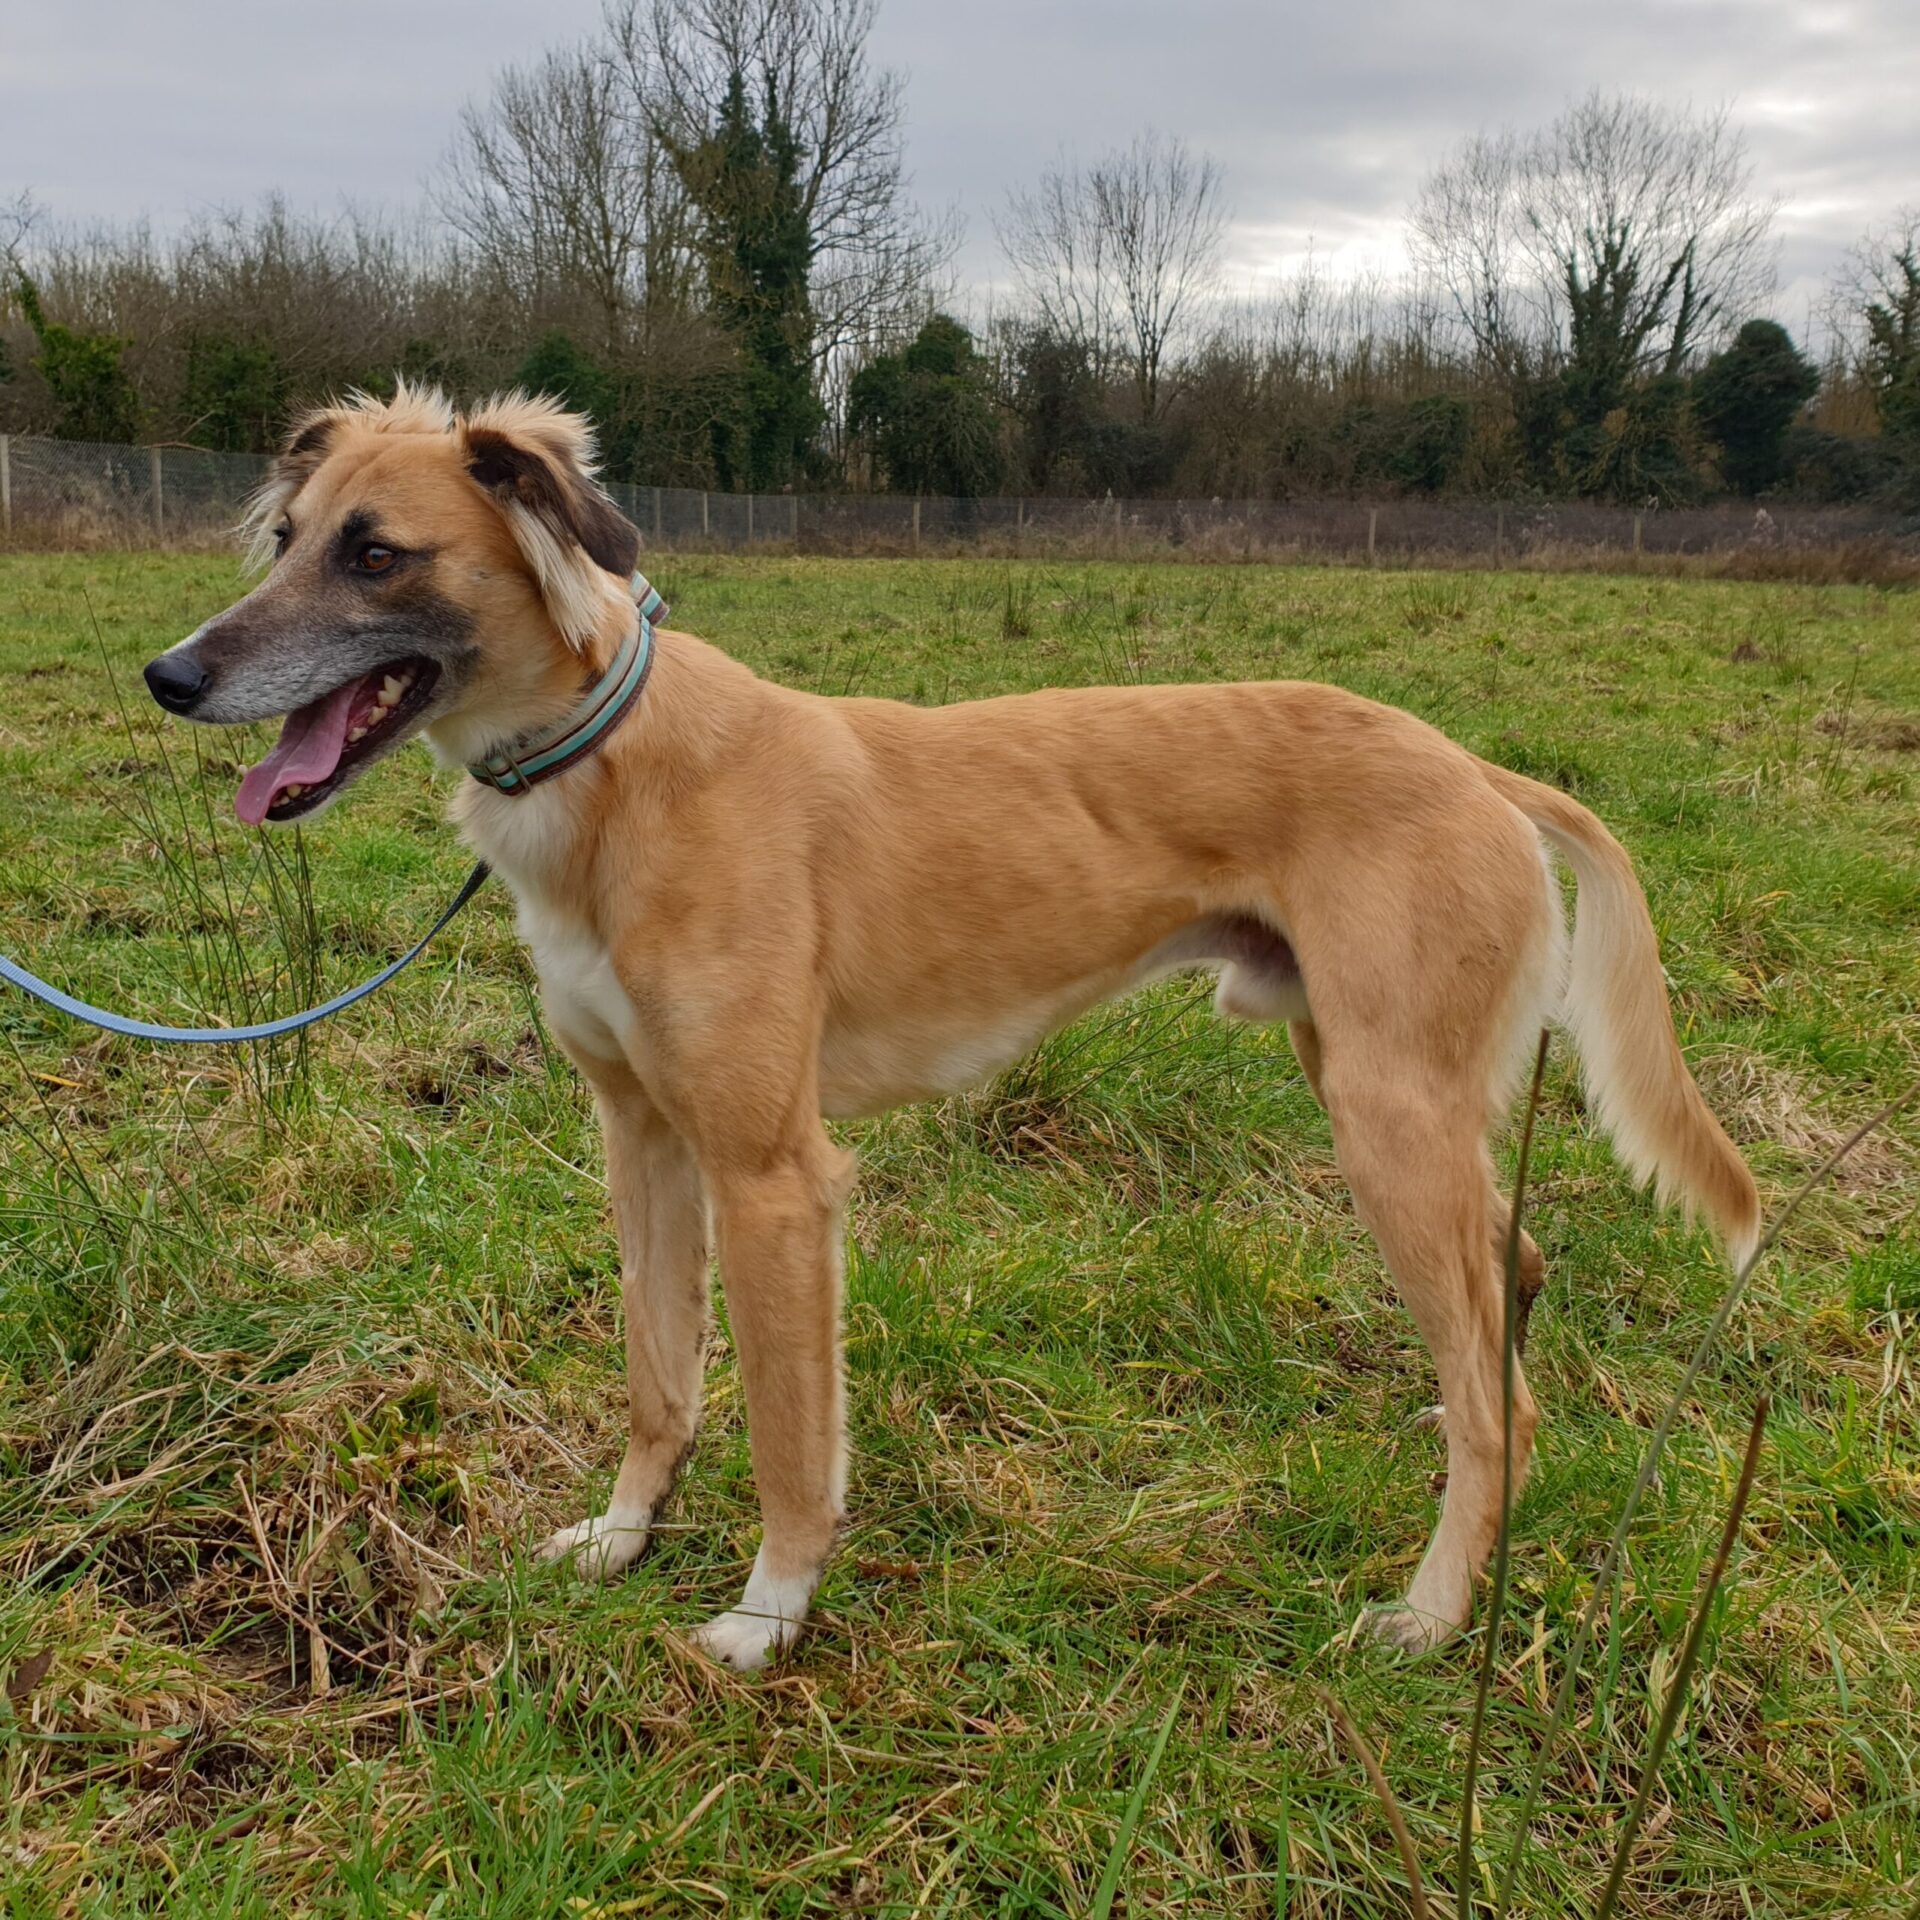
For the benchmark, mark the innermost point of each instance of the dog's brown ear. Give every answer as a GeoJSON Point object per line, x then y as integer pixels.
{"type": "Point", "coordinates": [536, 461]}
{"type": "Point", "coordinates": [308, 442]}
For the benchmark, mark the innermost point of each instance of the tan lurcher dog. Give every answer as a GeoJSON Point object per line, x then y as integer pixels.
{"type": "Point", "coordinates": [755, 907]}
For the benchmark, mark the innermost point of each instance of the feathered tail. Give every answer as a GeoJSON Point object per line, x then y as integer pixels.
{"type": "Point", "coordinates": [1622, 1026]}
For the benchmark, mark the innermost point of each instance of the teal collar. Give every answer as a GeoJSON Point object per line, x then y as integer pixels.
{"type": "Point", "coordinates": [591, 724]}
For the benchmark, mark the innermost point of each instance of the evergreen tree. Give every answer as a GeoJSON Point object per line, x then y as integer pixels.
{"type": "Point", "coordinates": [1414, 446]}
{"type": "Point", "coordinates": [928, 414]}
{"type": "Point", "coordinates": [1610, 420]}
{"type": "Point", "coordinates": [563, 369]}
{"type": "Point", "coordinates": [1746, 398]}
{"type": "Point", "coordinates": [1057, 400]}
{"type": "Point", "coordinates": [744, 178]}
{"type": "Point", "coordinates": [1893, 353]}
{"type": "Point", "coordinates": [83, 372]}
{"type": "Point", "coordinates": [234, 394]}
{"type": "Point", "coordinates": [560, 367]}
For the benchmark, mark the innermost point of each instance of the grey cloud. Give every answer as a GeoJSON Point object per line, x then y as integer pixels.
{"type": "Point", "coordinates": [1324, 117]}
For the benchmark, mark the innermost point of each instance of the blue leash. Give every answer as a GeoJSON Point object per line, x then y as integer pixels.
{"type": "Point", "coordinates": [229, 1036]}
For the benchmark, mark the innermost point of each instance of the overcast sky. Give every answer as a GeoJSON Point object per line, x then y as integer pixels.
{"type": "Point", "coordinates": [1324, 116]}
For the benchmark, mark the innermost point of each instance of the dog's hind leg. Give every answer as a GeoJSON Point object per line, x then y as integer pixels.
{"type": "Point", "coordinates": [1530, 1267]}
{"type": "Point", "coordinates": [1531, 1275]}
{"type": "Point", "coordinates": [1410, 1147]}
{"type": "Point", "coordinates": [659, 1213]}
{"type": "Point", "coordinates": [1529, 1280]}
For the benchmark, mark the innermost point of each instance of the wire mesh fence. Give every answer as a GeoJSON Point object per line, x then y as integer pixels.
{"type": "Point", "coordinates": [73, 493]}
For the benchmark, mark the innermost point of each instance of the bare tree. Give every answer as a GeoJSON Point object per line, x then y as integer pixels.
{"type": "Point", "coordinates": [1463, 239]}
{"type": "Point", "coordinates": [560, 189]}
{"type": "Point", "coordinates": [876, 261]}
{"type": "Point", "coordinates": [1638, 219]}
{"type": "Point", "coordinates": [1879, 277]}
{"type": "Point", "coordinates": [18, 218]}
{"type": "Point", "coordinates": [331, 294]}
{"type": "Point", "coordinates": [1118, 257]}
{"type": "Point", "coordinates": [1059, 254]}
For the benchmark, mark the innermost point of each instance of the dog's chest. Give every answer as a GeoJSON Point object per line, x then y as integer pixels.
{"type": "Point", "coordinates": [585, 1003]}
{"type": "Point", "coordinates": [528, 841]}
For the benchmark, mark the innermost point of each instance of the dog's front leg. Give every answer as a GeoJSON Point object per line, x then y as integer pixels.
{"type": "Point", "coordinates": [781, 1248]}
{"type": "Point", "coordinates": [659, 1211]}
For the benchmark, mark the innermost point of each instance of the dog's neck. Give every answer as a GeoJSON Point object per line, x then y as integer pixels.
{"type": "Point", "coordinates": [535, 684]}
{"type": "Point", "coordinates": [627, 799]}
{"type": "Point", "coordinates": [531, 760]}
{"type": "Point", "coordinates": [543, 686]}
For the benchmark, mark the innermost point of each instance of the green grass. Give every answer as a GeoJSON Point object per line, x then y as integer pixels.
{"type": "Point", "coordinates": [299, 1351]}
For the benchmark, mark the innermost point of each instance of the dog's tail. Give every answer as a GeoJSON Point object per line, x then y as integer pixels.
{"type": "Point", "coordinates": [1622, 1026]}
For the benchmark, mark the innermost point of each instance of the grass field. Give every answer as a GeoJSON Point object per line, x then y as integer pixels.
{"type": "Point", "coordinates": [299, 1350]}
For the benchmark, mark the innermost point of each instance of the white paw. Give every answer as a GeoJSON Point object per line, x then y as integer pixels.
{"type": "Point", "coordinates": [1405, 1627]}
{"type": "Point", "coordinates": [601, 1548]}
{"type": "Point", "coordinates": [766, 1621]}
{"type": "Point", "coordinates": [744, 1641]}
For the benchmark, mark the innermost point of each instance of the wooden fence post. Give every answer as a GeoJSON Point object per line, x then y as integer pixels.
{"type": "Point", "coordinates": [793, 520]}
{"type": "Point", "coordinates": [1636, 533]}
{"type": "Point", "coordinates": [656, 516]}
{"type": "Point", "coordinates": [916, 523]}
{"type": "Point", "coordinates": [749, 519]}
{"type": "Point", "coordinates": [159, 509]}
{"type": "Point", "coordinates": [705, 529]}
{"type": "Point", "coordinates": [6, 483]}
{"type": "Point", "coordinates": [1373, 527]}
{"type": "Point", "coordinates": [1500, 531]}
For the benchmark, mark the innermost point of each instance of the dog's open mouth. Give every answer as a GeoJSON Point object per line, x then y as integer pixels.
{"type": "Point", "coordinates": [322, 742]}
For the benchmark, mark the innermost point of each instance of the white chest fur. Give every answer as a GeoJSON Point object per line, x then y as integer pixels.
{"type": "Point", "coordinates": [528, 840]}
{"type": "Point", "coordinates": [585, 1003]}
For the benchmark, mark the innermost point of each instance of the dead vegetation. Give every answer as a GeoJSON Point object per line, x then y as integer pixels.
{"type": "Point", "coordinates": [1878, 733]}
{"type": "Point", "coordinates": [1762, 1102]}
{"type": "Point", "coordinates": [237, 1535]}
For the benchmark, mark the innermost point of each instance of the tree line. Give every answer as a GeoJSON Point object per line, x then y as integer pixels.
{"type": "Point", "coordinates": [697, 226]}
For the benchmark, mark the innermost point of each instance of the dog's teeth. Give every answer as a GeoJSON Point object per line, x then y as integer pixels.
{"type": "Point", "coordinates": [293, 792]}
{"type": "Point", "coordinates": [390, 691]}
{"type": "Point", "coordinates": [356, 733]}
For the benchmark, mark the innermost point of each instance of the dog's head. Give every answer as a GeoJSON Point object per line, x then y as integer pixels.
{"type": "Point", "coordinates": [427, 570]}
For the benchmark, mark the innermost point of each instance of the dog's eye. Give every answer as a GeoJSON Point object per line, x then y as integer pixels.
{"type": "Point", "coordinates": [281, 535]}
{"type": "Point", "coordinates": [375, 559]}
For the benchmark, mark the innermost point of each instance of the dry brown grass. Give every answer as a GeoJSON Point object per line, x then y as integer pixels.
{"type": "Point", "coordinates": [1761, 1102]}
{"type": "Point", "coordinates": [265, 1529]}
{"type": "Point", "coordinates": [1878, 732]}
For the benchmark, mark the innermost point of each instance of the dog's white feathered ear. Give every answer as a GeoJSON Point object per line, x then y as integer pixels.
{"type": "Point", "coordinates": [535, 461]}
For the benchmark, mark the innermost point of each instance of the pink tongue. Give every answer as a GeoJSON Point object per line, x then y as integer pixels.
{"type": "Point", "coordinates": [308, 749]}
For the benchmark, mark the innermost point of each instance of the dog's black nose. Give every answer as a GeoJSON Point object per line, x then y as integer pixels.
{"type": "Point", "coordinates": [175, 683]}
